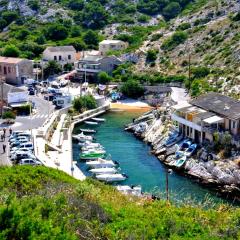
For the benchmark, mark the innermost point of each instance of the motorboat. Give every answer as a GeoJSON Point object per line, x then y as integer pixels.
{"type": "Point", "coordinates": [189, 152]}
{"type": "Point", "coordinates": [102, 163]}
{"type": "Point", "coordinates": [97, 151]}
{"type": "Point", "coordinates": [89, 144]}
{"type": "Point", "coordinates": [98, 119]}
{"type": "Point", "coordinates": [91, 123]}
{"type": "Point", "coordinates": [82, 138]}
{"type": "Point", "coordinates": [180, 162]}
{"type": "Point", "coordinates": [103, 170]}
{"type": "Point", "coordinates": [87, 130]}
{"type": "Point", "coordinates": [130, 190]}
{"type": "Point", "coordinates": [116, 177]}
{"type": "Point", "coordinates": [182, 147]}
{"type": "Point", "coordinates": [91, 155]}
{"type": "Point", "coordinates": [171, 138]}
{"type": "Point", "coordinates": [91, 148]}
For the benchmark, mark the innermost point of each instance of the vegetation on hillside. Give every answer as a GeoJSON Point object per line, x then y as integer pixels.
{"type": "Point", "coordinates": [43, 203]}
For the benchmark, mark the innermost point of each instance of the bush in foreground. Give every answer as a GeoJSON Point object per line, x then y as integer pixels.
{"type": "Point", "coordinates": [83, 103]}
{"type": "Point", "coordinates": [132, 89]}
{"type": "Point", "coordinates": [44, 203]}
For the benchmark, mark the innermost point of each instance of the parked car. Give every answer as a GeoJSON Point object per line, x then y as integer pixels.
{"type": "Point", "coordinates": [29, 161]}
{"type": "Point", "coordinates": [28, 145]}
{"type": "Point", "coordinates": [18, 138]}
{"type": "Point", "coordinates": [31, 91]}
{"type": "Point", "coordinates": [18, 142]}
{"type": "Point", "coordinates": [16, 150]}
{"type": "Point", "coordinates": [21, 155]}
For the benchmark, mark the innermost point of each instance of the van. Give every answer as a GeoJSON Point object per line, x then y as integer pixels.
{"type": "Point", "coordinates": [28, 145]}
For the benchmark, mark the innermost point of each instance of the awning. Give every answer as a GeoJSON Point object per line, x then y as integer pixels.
{"type": "Point", "coordinates": [19, 104]}
{"type": "Point", "coordinates": [213, 119]}
{"type": "Point", "coordinates": [181, 105]}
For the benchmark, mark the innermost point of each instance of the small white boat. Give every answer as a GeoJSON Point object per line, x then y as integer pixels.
{"type": "Point", "coordinates": [91, 148]}
{"type": "Point", "coordinates": [91, 123]}
{"type": "Point", "coordinates": [99, 119]}
{"type": "Point", "coordinates": [82, 138]}
{"type": "Point", "coordinates": [86, 130]}
{"type": "Point", "coordinates": [96, 151]}
{"type": "Point", "coordinates": [130, 190]}
{"type": "Point", "coordinates": [102, 163]}
{"type": "Point", "coordinates": [116, 177]}
{"type": "Point", "coordinates": [89, 144]}
{"type": "Point", "coordinates": [103, 170]}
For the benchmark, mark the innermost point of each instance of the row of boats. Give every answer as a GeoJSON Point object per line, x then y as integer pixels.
{"type": "Point", "coordinates": [95, 157]}
{"type": "Point", "coordinates": [184, 150]}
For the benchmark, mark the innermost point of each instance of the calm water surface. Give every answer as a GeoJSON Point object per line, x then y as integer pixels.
{"type": "Point", "coordinates": [138, 163]}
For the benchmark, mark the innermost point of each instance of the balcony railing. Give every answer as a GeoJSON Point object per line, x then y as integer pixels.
{"type": "Point", "coordinates": [90, 70]}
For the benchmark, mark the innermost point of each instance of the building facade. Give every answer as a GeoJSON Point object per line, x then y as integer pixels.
{"type": "Point", "coordinates": [15, 70]}
{"type": "Point", "coordinates": [111, 45]}
{"type": "Point", "coordinates": [61, 54]}
{"type": "Point", "coordinates": [207, 114]}
{"type": "Point", "coordinates": [89, 66]}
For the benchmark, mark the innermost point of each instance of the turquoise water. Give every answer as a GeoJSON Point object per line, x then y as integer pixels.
{"type": "Point", "coordinates": [138, 163]}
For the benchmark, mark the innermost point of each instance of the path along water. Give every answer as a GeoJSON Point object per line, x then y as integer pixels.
{"type": "Point", "coordinates": [138, 163]}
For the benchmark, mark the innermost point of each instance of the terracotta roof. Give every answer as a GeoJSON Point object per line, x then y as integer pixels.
{"type": "Point", "coordinates": [10, 60]}
{"type": "Point", "coordinates": [61, 49]}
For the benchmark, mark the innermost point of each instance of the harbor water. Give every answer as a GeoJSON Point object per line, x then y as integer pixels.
{"type": "Point", "coordinates": [139, 164]}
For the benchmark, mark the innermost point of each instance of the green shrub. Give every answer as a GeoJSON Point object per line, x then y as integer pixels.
{"type": "Point", "coordinates": [8, 115]}
{"type": "Point", "coordinates": [11, 51]}
{"type": "Point", "coordinates": [151, 55]}
{"type": "Point", "coordinates": [200, 72]}
{"type": "Point", "coordinates": [184, 26]}
{"type": "Point", "coordinates": [104, 78]}
{"type": "Point", "coordinates": [132, 89]}
{"type": "Point", "coordinates": [56, 32]}
{"type": "Point", "coordinates": [34, 5]}
{"type": "Point", "coordinates": [156, 37]}
{"type": "Point", "coordinates": [176, 39]}
{"type": "Point", "coordinates": [84, 103]}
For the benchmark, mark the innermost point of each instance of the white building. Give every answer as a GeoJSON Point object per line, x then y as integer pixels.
{"type": "Point", "coordinates": [61, 54]}
{"type": "Point", "coordinates": [111, 45]}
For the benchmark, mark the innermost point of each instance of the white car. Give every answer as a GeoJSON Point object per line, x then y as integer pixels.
{"type": "Point", "coordinates": [29, 161]}
{"type": "Point", "coordinates": [17, 150]}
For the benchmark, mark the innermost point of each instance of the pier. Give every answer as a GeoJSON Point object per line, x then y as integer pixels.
{"type": "Point", "coordinates": [53, 141]}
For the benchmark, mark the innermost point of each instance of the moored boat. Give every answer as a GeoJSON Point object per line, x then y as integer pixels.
{"type": "Point", "coordinates": [82, 138]}
{"type": "Point", "coordinates": [87, 130]}
{"type": "Point", "coordinates": [98, 119]}
{"type": "Point", "coordinates": [103, 170]}
{"type": "Point", "coordinates": [91, 122]}
{"type": "Point", "coordinates": [101, 163]}
{"type": "Point", "coordinates": [94, 151]}
{"type": "Point", "coordinates": [116, 177]}
{"type": "Point", "coordinates": [180, 162]}
{"type": "Point", "coordinates": [91, 156]}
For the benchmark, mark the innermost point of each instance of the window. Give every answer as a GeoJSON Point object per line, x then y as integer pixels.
{"type": "Point", "coordinates": [234, 124]}
{"type": "Point", "coordinates": [0, 68]}
{"type": "Point", "coordinates": [69, 57]}
{"type": "Point", "coordinates": [60, 58]}
{"type": "Point", "coordinates": [55, 58]}
{"type": "Point", "coordinates": [9, 70]}
{"type": "Point", "coordinates": [5, 70]}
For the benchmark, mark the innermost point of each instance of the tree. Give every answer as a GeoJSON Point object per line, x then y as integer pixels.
{"type": "Point", "coordinates": [9, 16]}
{"type": "Point", "coordinates": [171, 10]}
{"type": "Point", "coordinates": [40, 39]}
{"type": "Point", "coordinates": [104, 78]}
{"type": "Point", "coordinates": [22, 34]}
{"type": "Point", "coordinates": [151, 55]}
{"type": "Point", "coordinates": [8, 115]}
{"type": "Point", "coordinates": [76, 5]}
{"type": "Point", "coordinates": [34, 5]}
{"type": "Point", "coordinates": [75, 31]}
{"type": "Point", "coordinates": [3, 24]}
{"type": "Point", "coordinates": [132, 89]}
{"type": "Point", "coordinates": [56, 32]}
{"type": "Point", "coordinates": [200, 72]}
{"type": "Point", "coordinates": [52, 68]}
{"type": "Point", "coordinates": [83, 103]}
{"type": "Point", "coordinates": [68, 67]}
{"type": "Point", "coordinates": [91, 38]}
{"type": "Point", "coordinates": [11, 51]}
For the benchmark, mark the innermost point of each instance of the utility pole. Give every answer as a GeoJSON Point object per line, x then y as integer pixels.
{"type": "Point", "coordinates": [189, 69]}
{"type": "Point", "coordinates": [167, 192]}
{"type": "Point", "coordinates": [2, 84]}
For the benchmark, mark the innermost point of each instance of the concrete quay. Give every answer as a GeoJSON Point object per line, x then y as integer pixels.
{"type": "Point", "coordinates": [53, 141]}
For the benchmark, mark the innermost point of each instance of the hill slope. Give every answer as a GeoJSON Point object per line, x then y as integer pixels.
{"type": "Point", "coordinates": [42, 203]}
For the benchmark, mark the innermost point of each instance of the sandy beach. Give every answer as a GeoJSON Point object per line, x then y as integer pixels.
{"type": "Point", "coordinates": [131, 105]}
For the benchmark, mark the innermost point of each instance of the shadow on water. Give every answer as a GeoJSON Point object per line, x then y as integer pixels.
{"type": "Point", "coordinates": [140, 165]}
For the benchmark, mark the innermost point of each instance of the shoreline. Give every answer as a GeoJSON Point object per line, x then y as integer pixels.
{"type": "Point", "coordinates": [227, 191]}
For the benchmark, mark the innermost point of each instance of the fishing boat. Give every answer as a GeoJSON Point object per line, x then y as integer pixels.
{"type": "Point", "coordinates": [89, 143]}
{"type": "Point", "coordinates": [82, 138]}
{"type": "Point", "coordinates": [98, 119]}
{"type": "Point", "coordinates": [97, 151]}
{"type": "Point", "coordinates": [87, 130]}
{"type": "Point", "coordinates": [130, 190]}
{"type": "Point", "coordinates": [91, 123]}
{"type": "Point", "coordinates": [116, 177]}
{"type": "Point", "coordinates": [91, 156]}
{"type": "Point", "coordinates": [103, 170]}
{"type": "Point", "coordinates": [102, 163]}
{"type": "Point", "coordinates": [91, 148]}
{"type": "Point", "coordinates": [180, 162]}
{"type": "Point", "coordinates": [189, 152]}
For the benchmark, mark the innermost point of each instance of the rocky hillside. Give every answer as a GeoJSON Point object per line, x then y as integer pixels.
{"type": "Point", "coordinates": [42, 203]}
{"type": "Point", "coordinates": [209, 36]}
